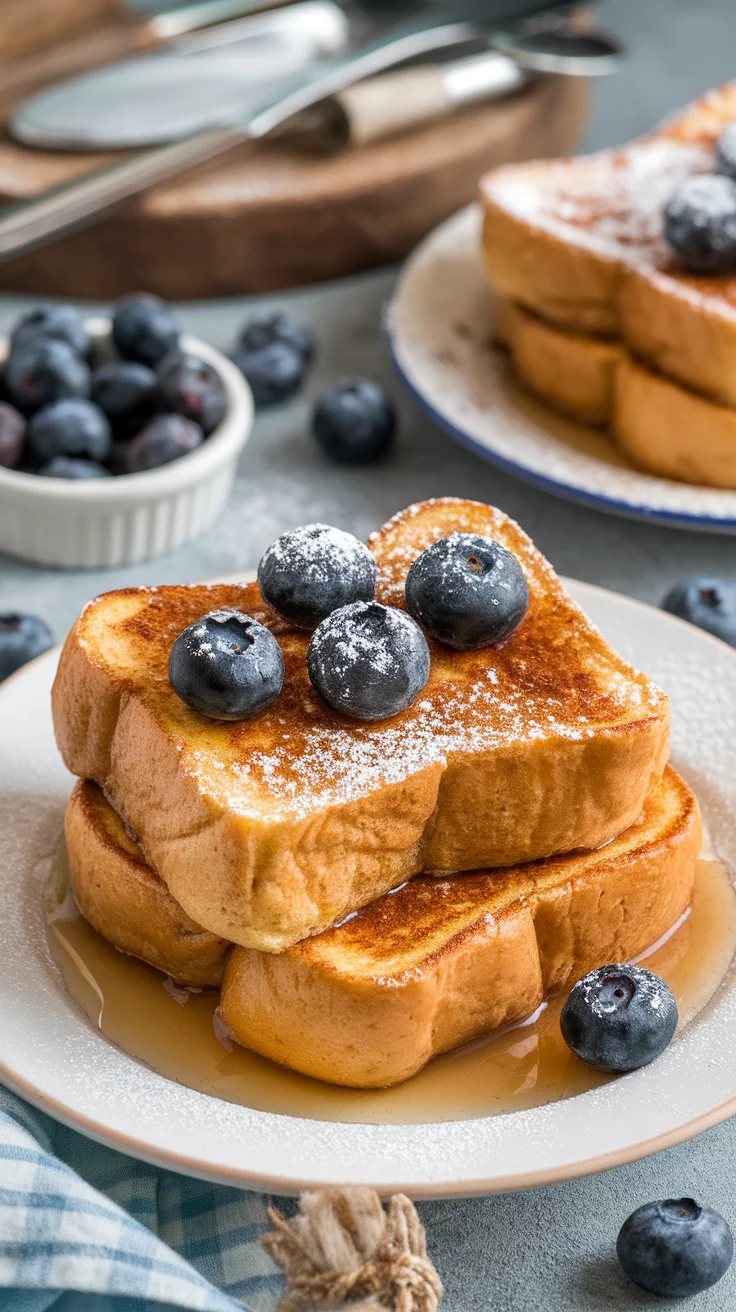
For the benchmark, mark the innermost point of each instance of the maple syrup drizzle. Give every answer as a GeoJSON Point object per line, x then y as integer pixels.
{"type": "Point", "coordinates": [177, 1031]}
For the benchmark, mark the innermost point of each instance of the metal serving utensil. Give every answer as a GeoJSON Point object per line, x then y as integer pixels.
{"type": "Point", "coordinates": [76, 204]}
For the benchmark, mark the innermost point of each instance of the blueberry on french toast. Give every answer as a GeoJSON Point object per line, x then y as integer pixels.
{"type": "Point", "coordinates": [311, 571]}
{"type": "Point", "coordinates": [227, 666]}
{"type": "Point", "coordinates": [368, 661]}
{"type": "Point", "coordinates": [700, 223]}
{"type": "Point", "coordinates": [467, 591]}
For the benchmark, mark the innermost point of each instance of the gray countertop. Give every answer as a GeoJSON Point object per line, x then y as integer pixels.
{"type": "Point", "coordinates": [552, 1248]}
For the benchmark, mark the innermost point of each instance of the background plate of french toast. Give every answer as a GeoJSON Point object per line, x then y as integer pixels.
{"type": "Point", "coordinates": [329, 938]}
{"type": "Point", "coordinates": [557, 330]}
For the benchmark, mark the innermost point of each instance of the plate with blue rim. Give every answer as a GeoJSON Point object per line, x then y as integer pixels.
{"type": "Point", "coordinates": [439, 328]}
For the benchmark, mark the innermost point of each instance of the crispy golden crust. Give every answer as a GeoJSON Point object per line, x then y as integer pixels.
{"type": "Point", "coordinates": [573, 373]}
{"type": "Point", "coordinates": [441, 962]}
{"type": "Point", "coordinates": [420, 971]}
{"type": "Point", "coordinates": [269, 830]}
{"type": "Point", "coordinates": [580, 243]}
{"type": "Point", "coordinates": [124, 899]}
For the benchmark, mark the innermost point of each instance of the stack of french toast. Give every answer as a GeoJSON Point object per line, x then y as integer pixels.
{"type": "Point", "coordinates": [606, 313]}
{"type": "Point", "coordinates": [370, 890]}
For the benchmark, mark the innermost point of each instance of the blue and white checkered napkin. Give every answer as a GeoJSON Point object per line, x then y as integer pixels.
{"type": "Point", "coordinates": [86, 1229]}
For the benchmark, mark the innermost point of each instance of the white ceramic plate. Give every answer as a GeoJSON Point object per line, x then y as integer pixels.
{"type": "Point", "coordinates": [50, 1053]}
{"type": "Point", "coordinates": [439, 331]}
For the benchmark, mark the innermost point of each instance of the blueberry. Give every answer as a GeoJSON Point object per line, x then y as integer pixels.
{"type": "Point", "coordinates": [308, 573]}
{"type": "Point", "coordinates": [368, 661]}
{"type": "Point", "coordinates": [675, 1247]}
{"type": "Point", "coordinates": [619, 1018]}
{"type": "Point", "coordinates": [63, 323]}
{"type": "Point", "coordinates": [227, 666]}
{"type": "Point", "coordinates": [73, 467]}
{"type": "Point", "coordinates": [144, 329]}
{"type": "Point", "coordinates": [726, 151]}
{"type": "Point", "coordinates": [708, 602]}
{"type": "Point", "coordinates": [127, 392]}
{"type": "Point", "coordinates": [192, 388]}
{"type": "Point", "coordinates": [12, 436]}
{"type": "Point", "coordinates": [72, 427]}
{"type": "Point", "coordinates": [467, 591]}
{"type": "Point", "coordinates": [166, 438]}
{"type": "Point", "coordinates": [21, 638]}
{"type": "Point", "coordinates": [49, 371]}
{"type": "Point", "coordinates": [276, 326]}
{"type": "Point", "coordinates": [274, 372]}
{"type": "Point", "coordinates": [700, 223]}
{"type": "Point", "coordinates": [354, 422]}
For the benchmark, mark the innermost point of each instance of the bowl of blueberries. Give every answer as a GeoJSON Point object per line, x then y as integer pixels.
{"type": "Point", "coordinates": [119, 438]}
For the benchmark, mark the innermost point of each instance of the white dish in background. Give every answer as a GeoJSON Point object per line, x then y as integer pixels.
{"type": "Point", "coordinates": [70, 524]}
{"type": "Point", "coordinates": [439, 328]}
{"type": "Point", "coordinates": [50, 1053]}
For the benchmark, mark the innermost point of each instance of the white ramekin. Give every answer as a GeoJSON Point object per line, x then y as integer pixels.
{"type": "Point", "coordinates": [119, 521]}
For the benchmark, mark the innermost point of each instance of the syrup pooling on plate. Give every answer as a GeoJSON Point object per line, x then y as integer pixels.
{"type": "Point", "coordinates": [178, 1034]}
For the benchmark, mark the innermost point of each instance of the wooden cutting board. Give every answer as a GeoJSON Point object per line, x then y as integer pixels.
{"type": "Point", "coordinates": [283, 215]}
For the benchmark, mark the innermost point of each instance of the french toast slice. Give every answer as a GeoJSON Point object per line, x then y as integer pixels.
{"type": "Point", "coordinates": [580, 243]}
{"type": "Point", "coordinates": [425, 968]}
{"type": "Point", "coordinates": [269, 830]}
{"type": "Point", "coordinates": [125, 901]}
{"type": "Point", "coordinates": [665, 428]}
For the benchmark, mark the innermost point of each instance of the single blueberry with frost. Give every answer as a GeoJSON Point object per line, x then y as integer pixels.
{"type": "Point", "coordinates": [619, 1018]}
{"type": "Point", "coordinates": [700, 223]}
{"type": "Point", "coordinates": [368, 661]}
{"type": "Point", "coordinates": [311, 571]}
{"type": "Point", "coordinates": [227, 666]}
{"type": "Point", "coordinates": [467, 591]}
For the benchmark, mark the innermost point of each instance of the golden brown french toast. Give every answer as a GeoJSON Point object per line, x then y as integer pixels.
{"type": "Point", "coordinates": [665, 428]}
{"type": "Point", "coordinates": [425, 968]}
{"type": "Point", "coordinates": [580, 243]}
{"type": "Point", "coordinates": [269, 830]}
{"type": "Point", "coordinates": [123, 898]}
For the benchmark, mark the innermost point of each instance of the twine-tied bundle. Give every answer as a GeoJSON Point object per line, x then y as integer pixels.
{"type": "Point", "coordinates": [342, 1249]}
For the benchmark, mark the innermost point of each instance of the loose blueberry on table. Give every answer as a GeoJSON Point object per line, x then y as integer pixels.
{"type": "Point", "coordinates": [227, 666]}
{"type": "Point", "coordinates": [675, 1247]}
{"type": "Point", "coordinates": [467, 591]}
{"type": "Point", "coordinates": [274, 352]}
{"type": "Point", "coordinates": [708, 602]}
{"type": "Point", "coordinates": [72, 416]}
{"type": "Point", "coordinates": [619, 1018]}
{"type": "Point", "coordinates": [21, 638]}
{"type": "Point", "coordinates": [368, 661]}
{"type": "Point", "coordinates": [354, 423]}
{"type": "Point", "coordinates": [309, 572]}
